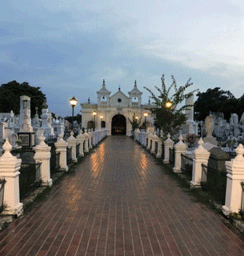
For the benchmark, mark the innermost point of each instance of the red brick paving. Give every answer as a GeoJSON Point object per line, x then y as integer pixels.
{"type": "Point", "coordinates": [120, 202]}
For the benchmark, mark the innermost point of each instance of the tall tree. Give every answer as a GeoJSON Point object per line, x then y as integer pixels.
{"type": "Point", "coordinates": [10, 97]}
{"type": "Point", "coordinates": [215, 100]}
{"type": "Point", "coordinates": [166, 115]}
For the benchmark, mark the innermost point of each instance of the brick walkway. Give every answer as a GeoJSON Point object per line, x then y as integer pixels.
{"type": "Point", "coordinates": [120, 202]}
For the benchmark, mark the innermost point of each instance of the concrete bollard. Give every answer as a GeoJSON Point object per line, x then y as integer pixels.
{"type": "Point", "coordinates": [9, 169]}
{"type": "Point", "coordinates": [168, 144]}
{"type": "Point", "coordinates": [43, 156]}
{"type": "Point", "coordinates": [159, 151]}
{"type": "Point", "coordinates": [86, 142]}
{"type": "Point", "coordinates": [61, 147]}
{"type": "Point", "coordinates": [80, 139]}
{"type": "Point", "coordinates": [201, 156]}
{"type": "Point", "coordinates": [154, 139]}
{"type": "Point", "coordinates": [90, 139]}
{"type": "Point", "coordinates": [180, 148]}
{"type": "Point", "coordinates": [72, 144]}
{"type": "Point", "coordinates": [235, 176]}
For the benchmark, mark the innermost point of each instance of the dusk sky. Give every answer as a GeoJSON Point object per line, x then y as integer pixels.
{"type": "Point", "coordinates": [68, 47]}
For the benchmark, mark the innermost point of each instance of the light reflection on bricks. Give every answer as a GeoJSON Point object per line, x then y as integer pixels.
{"type": "Point", "coordinates": [119, 201]}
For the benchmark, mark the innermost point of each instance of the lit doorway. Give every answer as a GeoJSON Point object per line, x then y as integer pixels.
{"type": "Point", "coordinates": [118, 125]}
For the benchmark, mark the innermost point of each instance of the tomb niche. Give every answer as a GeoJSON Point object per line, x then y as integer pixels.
{"type": "Point", "coordinates": [26, 134]}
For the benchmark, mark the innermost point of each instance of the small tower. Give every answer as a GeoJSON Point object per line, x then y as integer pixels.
{"type": "Point", "coordinates": [103, 95]}
{"type": "Point", "coordinates": [135, 96]}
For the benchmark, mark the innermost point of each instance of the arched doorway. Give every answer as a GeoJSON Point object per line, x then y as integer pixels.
{"type": "Point", "coordinates": [118, 125]}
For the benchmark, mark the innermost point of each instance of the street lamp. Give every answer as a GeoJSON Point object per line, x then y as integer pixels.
{"type": "Point", "coordinates": [73, 103]}
{"type": "Point", "coordinates": [137, 117]}
{"type": "Point", "coordinates": [94, 113]}
{"type": "Point", "coordinates": [168, 104]}
{"type": "Point", "coordinates": [145, 114]}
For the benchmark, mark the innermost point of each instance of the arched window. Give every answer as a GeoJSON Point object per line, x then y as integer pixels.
{"type": "Point", "coordinates": [103, 99]}
{"type": "Point", "coordinates": [103, 124]}
{"type": "Point", "coordinates": [134, 99]}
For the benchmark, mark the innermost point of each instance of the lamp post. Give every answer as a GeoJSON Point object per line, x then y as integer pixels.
{"type": "Point", "coordinates": [73, 103]}
{"type": "Point", "coordinates": [145, 115]}
{"type": "Point", "coordinates": [94, 113]}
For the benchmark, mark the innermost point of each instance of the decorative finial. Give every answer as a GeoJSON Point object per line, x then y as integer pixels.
{"type": "Point", "coordinates": [7, 147]}
{"type": "Point", "coordinates": [168, 135]}
{"type": "Point", "coordinates": [149, 101]}
{"type": "Point", "coordinates": [119, 87]}
{"type": "Point", "coordinates": [200, 142]}
{"type": "Point", "coordinates": [135, 83]}
{"type": "Point", "coordinates": [239, 152]}
{"type": "Point", "coordinates": [103, 82]}
{"type": "Point", "coordinates": [60, 137]}
{"type": "Point", "coordinates": [180, 138]}
{"type": "Point", "coordinates": [71, 133]}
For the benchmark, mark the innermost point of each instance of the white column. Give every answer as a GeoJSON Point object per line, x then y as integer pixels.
{"type": "Point", "coordinates": [168, 144]}
{"type": "Point", "coordinates": [180, 148]}
{"type": "Point", "coordinates": [80, 140]}
{"type": "Point", "coordinates": [235, 175]}
{"type": "Point", "coordinates": [72, 144]}
{"type": "Point", "coordinates": [9, 170]}
{"type": "Point", "coordinates": [201, 156]}
{"type": "Point", "coordinates": [43, 156]}
{"type": "Point", "coordinates": [61, 147]}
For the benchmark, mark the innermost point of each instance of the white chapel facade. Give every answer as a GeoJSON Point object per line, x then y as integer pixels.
{"type": "Point", "coordinates": [113, 112]}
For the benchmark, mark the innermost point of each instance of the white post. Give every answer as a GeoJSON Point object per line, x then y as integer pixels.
{"type": "Point", "coordinates": [235, 175]}
{"type": "Point", "coordinates": [154, 139]}
{"type": "Point", "coordinates": [61, 147]}
{"type": "Point", "coordinates": [159, 151]}
{"type": "Point", "coordinates": [149, 139]}
{"type": "Point", "coordinates": [180, 148]}
{"type": "Point", "coordinates": [72, 144]}
{"type": "Point", "coordinates": [80, 139]}
{"type": "Point", "coordinates": [86, 142]}
{"type": "Point", "coordinates": [90, 139]}
{"type": "Point", "coordinates": [136, 132]}
{"type": "Point", "coordinates": [43, 156]}
{"type": "Point", "coordinates": [95, 137]}
{"type": "Point", "coordinates": [9, 169]}
{"type": "Point", "coordinates": [145, 139]}
{"type": "Point", "coordinates": [168, 144]}
{"type": "Point", "coordinates": [201, 156]}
